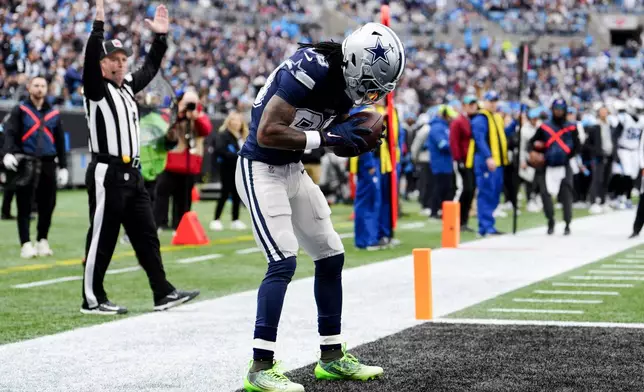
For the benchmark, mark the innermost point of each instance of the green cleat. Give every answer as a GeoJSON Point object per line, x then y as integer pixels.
{"type": "Point", "coordinates": [346, 368]}
{"type": "Point", "coordinates": [270, 380]}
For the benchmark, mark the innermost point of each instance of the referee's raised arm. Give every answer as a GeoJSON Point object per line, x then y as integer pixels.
{"type": "Point", "coordinates": [143, 76]}
{"type": "Point", "coordinates": [92, 74]}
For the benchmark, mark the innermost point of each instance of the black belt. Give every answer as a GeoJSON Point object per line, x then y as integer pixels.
{"type": "Point", "coordinates": [114, 160]}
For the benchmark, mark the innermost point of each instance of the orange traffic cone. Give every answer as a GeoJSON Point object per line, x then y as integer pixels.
{"type": "Point", "coordinates": [190, 231]}
{"type": "Point", "coordinates": [195, 194]}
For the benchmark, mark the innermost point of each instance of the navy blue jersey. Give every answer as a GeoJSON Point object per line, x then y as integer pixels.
{"type": "Point", "coordinates": [303, 81]}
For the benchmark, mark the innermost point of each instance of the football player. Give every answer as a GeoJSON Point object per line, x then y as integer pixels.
{"type": "Point", "coordinates": [302, 106]}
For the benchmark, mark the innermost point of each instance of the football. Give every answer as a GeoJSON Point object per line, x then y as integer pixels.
{"type": "Point", "coordinates": [536, 159]}
{"type": "Point", "coordinates": [373, 121]}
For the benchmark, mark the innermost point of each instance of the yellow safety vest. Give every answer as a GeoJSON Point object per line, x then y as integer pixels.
{"type": "Point", "coordinates": [496, 139]}
{"type": "Point", "coordinates": [385, 157]}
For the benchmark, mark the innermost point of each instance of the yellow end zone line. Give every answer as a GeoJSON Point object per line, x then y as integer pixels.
{"type": "Point", "coordinates": [121, 255]}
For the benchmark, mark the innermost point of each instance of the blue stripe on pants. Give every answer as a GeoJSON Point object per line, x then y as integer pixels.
{"type": "Point", "coordinates": [258, 211]}
{"type": "Point", "coordinates": [252, 205]}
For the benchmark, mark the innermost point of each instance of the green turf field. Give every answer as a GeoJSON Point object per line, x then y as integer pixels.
{"type": "Point", "coordinates": [609, 290]}
{"type": "Point", "coordinates": [31, 312]}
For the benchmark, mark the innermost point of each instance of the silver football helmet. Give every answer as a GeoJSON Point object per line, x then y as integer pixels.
{"type": "Point", "coordinates": [374, 60]}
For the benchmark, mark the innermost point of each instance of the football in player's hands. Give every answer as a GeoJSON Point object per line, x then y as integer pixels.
{"type": "Point", "coordinates": [370, 120]}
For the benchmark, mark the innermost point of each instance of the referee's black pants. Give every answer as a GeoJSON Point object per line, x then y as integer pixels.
{"type": "Point", "coordinates": [42, 190]}
{"type": "Point", "coordinates": [117, 195]}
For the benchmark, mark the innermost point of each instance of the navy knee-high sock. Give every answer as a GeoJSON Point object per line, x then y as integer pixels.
{"type": "Point", "coordinates": [328, 296]}
{"type": "Point", "coordinates": [270, 299]}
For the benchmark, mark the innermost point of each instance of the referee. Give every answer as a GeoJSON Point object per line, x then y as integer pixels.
{"type": "Point", "coordinates": [114, 182]}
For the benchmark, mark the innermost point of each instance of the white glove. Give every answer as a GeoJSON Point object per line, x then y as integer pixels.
{"type": "Point", "coordinates": [63, 177]}
{"type": "Point", "coordinates": [10, 162]}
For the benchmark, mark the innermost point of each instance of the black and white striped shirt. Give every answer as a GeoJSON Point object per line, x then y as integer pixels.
{"type": "Point", "coordinates": [111, 110]}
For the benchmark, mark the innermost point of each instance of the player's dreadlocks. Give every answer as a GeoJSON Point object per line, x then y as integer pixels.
{"type": "Point", "coordinates": [332, 52]}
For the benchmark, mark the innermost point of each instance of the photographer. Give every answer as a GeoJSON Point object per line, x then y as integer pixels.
{"type": "Point", "coordinates": [183, 162]}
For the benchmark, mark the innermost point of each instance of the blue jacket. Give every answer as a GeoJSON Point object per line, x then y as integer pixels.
{"type": "Point", "coordinates": [561, 142]}
{"type": "Point", "coordinates": [438, 146]}
{"type": "Point", "coordinates": [481, 138]}
{"type": "Point", "coordinates": [35, 132]}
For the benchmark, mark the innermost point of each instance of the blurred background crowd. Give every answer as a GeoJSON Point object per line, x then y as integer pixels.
{"type": "Point", "coordinates": [225, 49]}
{"type": "Point", "coordinates": [226, 62]}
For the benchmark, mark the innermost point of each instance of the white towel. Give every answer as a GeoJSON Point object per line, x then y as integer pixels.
{"type": "Point", "coordinates": [554, 177]}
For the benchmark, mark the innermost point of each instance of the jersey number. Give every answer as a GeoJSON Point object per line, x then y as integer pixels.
{"type": "Point", "coordinates": [309, 120]}
{"type": "Point", "coordinates": [633, 134]}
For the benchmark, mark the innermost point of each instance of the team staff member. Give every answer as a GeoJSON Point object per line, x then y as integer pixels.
{"type": "Point", "coordinates": [488, 155]}
{"type": "Point", "coordinates": [367, 201]}
{"type": "Point", "coordinates": [442, 164]}
{"type": "Point", "coordinates": [420, 157]}
{"type": "Point", "coordinates": [367, 204]}
{"type": "Point", "coordinates": [114, 181]}
{"type": "Point", "coordinates": [559, 141]}
{"type": "Point", "coordinates": [184, 160]}
{"type": "Point", "coordinates": [460, 134]}
{"type": "Point", "coordinates": [603, 147]}
{"type": "Point", "coordinates": [386, 167]}
{"type": "Point", "coordinates": [34, 131]}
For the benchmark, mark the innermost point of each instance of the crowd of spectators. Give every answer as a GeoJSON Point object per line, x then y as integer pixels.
{"type": "Point", "coordinates": [227, 62]}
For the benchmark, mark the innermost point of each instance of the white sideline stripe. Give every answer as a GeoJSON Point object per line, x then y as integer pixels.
{"type": "Point", "coordinates": [69, 278]}
{"type": "Point", "coordinates": [247, 251]}
{"type": "Point", "coordinates": [633, 278]}
{"type": "Point", "coordinates": [123, 270]}
{"type": "Point", "coordinates": [627, 266]}
{"type": "Point", "coordinates": [559, 300]}
{"type": "Point", "coordinates": [635, 256]}
{"type": "Point", "coordinates": [614, 285]}
{"type": "Point", "coordinates": [629, 261]}
{"type": "Point", "coordinates": [592, 324]}
{"type": "Point", "coordinates": [515, 310]}
{"type": "Point", "coordinates": [615, 272]}
{"type": "Point", "coordinates": [199, 258]}
{"type": "Point", "coordinates": [46, 282]}
{"type": "Point", "coordinates": [346, 235]}
{"type": "Point", "coordinates": [576, 292]}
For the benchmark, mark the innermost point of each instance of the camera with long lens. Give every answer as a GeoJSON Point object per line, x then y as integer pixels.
{"type": "Point", "coordinates": [191, 106]}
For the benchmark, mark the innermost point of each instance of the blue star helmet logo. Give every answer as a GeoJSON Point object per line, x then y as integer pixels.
{"type": "Point", "coordinates": [379, 53]}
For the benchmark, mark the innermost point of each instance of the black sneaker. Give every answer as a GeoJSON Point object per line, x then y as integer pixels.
{"type": "Point", "coordinates": [567, 230]}
{"type": "Point", "coordinates": [106, 308]}
{"type": "Point", "coordinates": [634, 235]}
{"type": "Point", "coordinates": [7, 217]}
{"type": "Point", "coordinates": [175, 298]}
